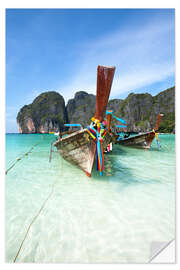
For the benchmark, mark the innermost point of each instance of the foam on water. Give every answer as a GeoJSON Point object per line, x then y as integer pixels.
{"type": "Point", "coordinates": [109, 219]}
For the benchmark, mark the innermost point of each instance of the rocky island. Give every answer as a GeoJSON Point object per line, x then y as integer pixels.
{"type": "Point", "coordinates": [46, 113]}
{"type": "Point", "coordinates": [49, 113]}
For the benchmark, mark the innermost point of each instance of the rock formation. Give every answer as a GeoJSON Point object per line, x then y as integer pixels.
{"type": "Point", "coordinates": [141, 110]}
{"type": "Point", "coordinates": [81, 108]}
{"type": "Point", "coordinates": [48, 111]}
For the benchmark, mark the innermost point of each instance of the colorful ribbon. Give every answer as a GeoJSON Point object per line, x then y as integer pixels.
{"type": "Point", "coordinates": [119, 119]}
{"type": "Point", "coordinates": [157, 138]}
{"type": "Point", "coordinates": [99, 149]}
{"type": "Point", "coordinates": [119, 126]}
{"type": "Point", "coordinates": [73, 125]}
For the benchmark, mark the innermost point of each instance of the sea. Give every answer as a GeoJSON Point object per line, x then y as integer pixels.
{"type": "Point", "coordinates": [56, 214]}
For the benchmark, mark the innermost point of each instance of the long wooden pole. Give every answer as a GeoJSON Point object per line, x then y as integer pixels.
{"type": "Point", "coordinates": [158, 121]}
{"type": "Point", "coordinates": [104, 82]}
{"type": "Point", "coordinates": [109, 119]}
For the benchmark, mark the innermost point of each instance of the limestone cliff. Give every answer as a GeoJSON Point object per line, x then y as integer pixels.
{"type": "Point", "coordinates": [81, 108]}
{"type": "Point", "coordinates": [46, 113]}
{"type": "Point", "coordinates": [141, 110]}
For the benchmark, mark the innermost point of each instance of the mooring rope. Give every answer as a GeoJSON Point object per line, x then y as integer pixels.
{"type": "Point", "coordinates": [33, 220]}
{"type": "Point", "coordinates": [37, 215]}
{"type": "Point", "coordinates": [20, 158]}
{"type": "Point", "coordinates": [50, 154]}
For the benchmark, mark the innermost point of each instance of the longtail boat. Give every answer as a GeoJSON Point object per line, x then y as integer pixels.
{"type": "Point", "coordinates": [82, 147]}
{"type": "Point", "coordinates": [143, 140]}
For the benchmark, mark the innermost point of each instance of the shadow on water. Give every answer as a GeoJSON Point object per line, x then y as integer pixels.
{"type": "Point", "coordinates": [128, 166]}
{"type": "Point", "coordinates": [122, 169]}
{"type": "Point", "coordinates": [120, 149]}
{"type": "Point", "coordinates": [120, 173]}
{"type": "Point", "coordinates": [119, 169]}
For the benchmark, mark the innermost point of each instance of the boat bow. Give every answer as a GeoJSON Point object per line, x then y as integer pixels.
{"type": "Point", "coordinates": [80, 147]}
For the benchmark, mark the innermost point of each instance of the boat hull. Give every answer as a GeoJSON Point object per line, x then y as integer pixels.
{"type": "Point", "coordinates": [79, 149]}
{"type": "Point", "coordinates": [140, 141]}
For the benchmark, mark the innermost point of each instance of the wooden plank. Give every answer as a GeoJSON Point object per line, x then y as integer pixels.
{"type": "Point", "coordinates": [79, 148]}
{"type": "Point", "coordinates": [104, 82]}
{"type": "Point", "coordinates": [139, 141]}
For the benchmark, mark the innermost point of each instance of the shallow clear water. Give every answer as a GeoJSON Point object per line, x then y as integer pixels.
{"type": "Point", "coordinates": [109, 219]}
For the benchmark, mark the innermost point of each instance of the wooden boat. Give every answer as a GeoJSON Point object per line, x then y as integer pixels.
{"type": "Point", "coordinates": [143, 140]}
{"type": "Point", "coordinates": [79, 147]}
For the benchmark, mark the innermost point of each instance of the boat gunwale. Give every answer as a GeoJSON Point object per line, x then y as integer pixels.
{"type": "Point", "coordinates": [71, 135]}
{"type": "Point", "coordinates": [136, 136]}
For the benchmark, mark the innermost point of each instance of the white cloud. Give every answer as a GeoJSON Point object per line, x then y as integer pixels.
{"type": "Point", "coordinates": [142, 56]}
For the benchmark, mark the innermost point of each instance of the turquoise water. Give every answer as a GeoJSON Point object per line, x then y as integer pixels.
{"type": "Point", "coordinates": [109, 219]}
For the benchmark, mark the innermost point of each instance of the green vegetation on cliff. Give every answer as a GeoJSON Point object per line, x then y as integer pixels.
{"type": "Point", "coordinates": [81, 108]}
{"type": "Point", "coordinates": [141, 110]}
{"type": "Point", "coordinates": [48, 111]}
{"type": "Point", "coordinates": [167, 124]}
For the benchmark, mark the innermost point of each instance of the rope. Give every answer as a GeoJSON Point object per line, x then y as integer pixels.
{"type": "Point", "coordinates": [99, 149]}
{"type": "Point", "coordinates": [114, 116]}
{"type": "Point", "coordinates": [19, 158]}
{"type": "Point", "coordinates": [157, 138]}
{"type": "Point", "coordinates": [121, 126]}
{"type": "Point", "coordinates": [50, 155]}
{"type": "Point", "coordinates": [72, 125]}
{"type": "Point", "coordinates": [35, 217]}
{"type": "Point", "coordinates": [33, 220]}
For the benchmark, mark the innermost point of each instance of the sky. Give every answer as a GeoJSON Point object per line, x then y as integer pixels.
{"type": "Point", "coordinates": [59, 50]}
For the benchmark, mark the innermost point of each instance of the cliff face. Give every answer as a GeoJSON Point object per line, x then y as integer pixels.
{"type": "Point", "coordinates": [81, 108]}
{"type": "Point", "coordinates": [25, 121]}
{"type": "Point", "coordinates": [136, 109]}
{"type": "Point", "coordinates": [48, 112]}
{"type": "Point", "coordinates": [141, 110]}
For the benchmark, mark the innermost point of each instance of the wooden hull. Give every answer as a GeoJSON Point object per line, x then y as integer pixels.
{"type": "Point", "coordinates": [139, 141]}
{"type": "Point", "coordinates": [79, 149]}
{"type": "Point", "coordinates": [142, 140]}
